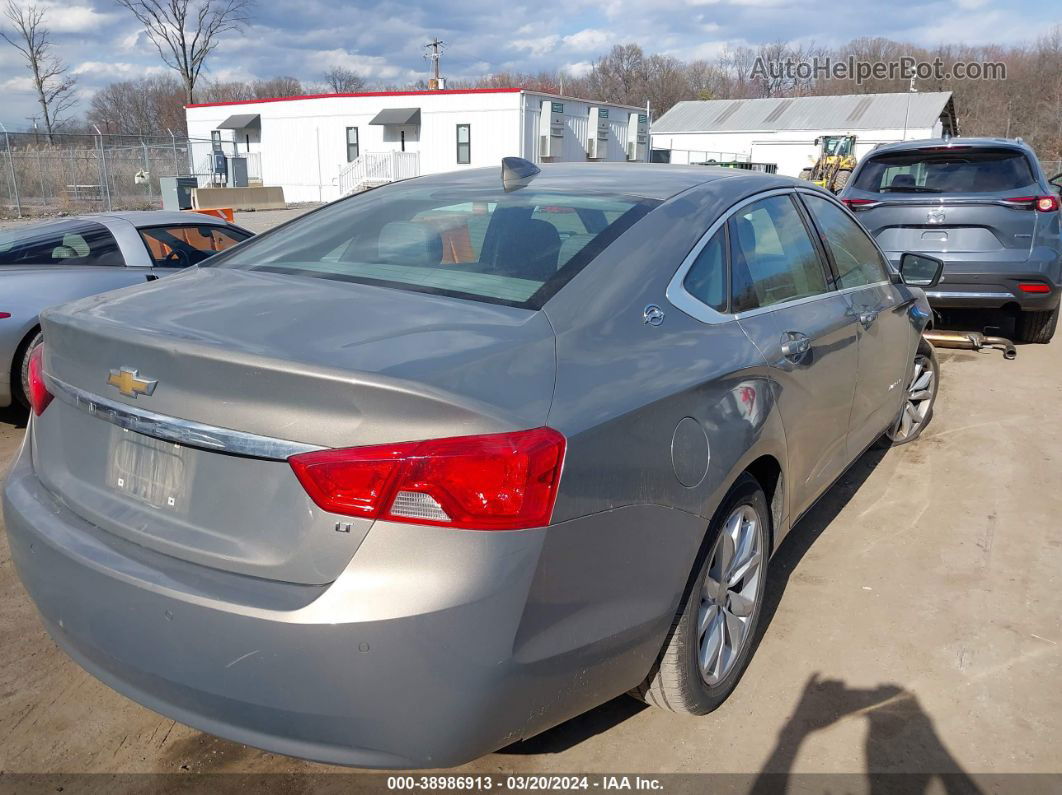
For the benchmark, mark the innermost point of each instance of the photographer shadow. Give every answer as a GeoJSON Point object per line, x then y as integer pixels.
{"type": "Point", "coordinates": [903, 751]}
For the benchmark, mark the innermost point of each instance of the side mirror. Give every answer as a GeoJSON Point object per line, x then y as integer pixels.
{"type": "Point", "coordinates": [918, 270]}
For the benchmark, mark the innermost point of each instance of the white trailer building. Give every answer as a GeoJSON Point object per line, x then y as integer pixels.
{"type": "Point", "coordinates": [321, 147]}
{"type": "Point", "coordinates": [783, 130]}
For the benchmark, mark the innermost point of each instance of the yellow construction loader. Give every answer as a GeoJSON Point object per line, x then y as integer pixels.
{"type": "Point", "coordinates": [834, 164]}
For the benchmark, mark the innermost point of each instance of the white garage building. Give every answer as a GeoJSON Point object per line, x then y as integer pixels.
{"type": "Point", "coordinates": [783, 130]}
{"type": "Point", "coordinates": [321, 147]}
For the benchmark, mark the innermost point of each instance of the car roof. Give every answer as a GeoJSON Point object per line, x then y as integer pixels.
{"type": "Point", "coordinates": [647, 180]}
{"type": "Point", "coordinates": [979, 143]}
{"type": "Point", "coordinates": [141, 218]}
{"type": "Point", "coordinates": [138, 218]}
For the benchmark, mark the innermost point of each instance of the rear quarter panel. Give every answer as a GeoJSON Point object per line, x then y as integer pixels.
{"type": "Point", "coordinates": [624, 385]}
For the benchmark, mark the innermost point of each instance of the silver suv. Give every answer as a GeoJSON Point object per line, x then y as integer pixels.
{"type": "Point", "coordinates": [985, 207]}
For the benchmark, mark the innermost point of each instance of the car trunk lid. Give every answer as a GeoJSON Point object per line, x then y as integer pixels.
{"type": "Point", "coordinates": [959, 224]}
{"type": "Point", "coordinates": [278, 364]}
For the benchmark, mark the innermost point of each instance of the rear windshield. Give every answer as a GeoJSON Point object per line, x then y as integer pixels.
{"type": "Point", "coordinates": [957, 171]}
{"type": "Point", "coordinates": [514, 248]}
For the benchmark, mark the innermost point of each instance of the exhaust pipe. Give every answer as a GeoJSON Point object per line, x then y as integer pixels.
{"type": "Point", "coordinates": [969, 340]}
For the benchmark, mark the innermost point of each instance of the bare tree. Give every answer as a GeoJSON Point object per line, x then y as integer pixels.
{"type": "Point", "coordinates": [276, 87]}
{"type": "Point", "coordinates": [341, 80]}
{"type": "Point", "coordinates": [667, 81]}
{"type": "Point", "coordinates": [54, 86]}
{"type": "Point", "coordinates": [185, 32]}
{"type": "Point", "coordinates": [145, 106]}
{"type": "Point", "coordinates": [224, 91]}
{"type": "Point", "coordinates": [620, 76]}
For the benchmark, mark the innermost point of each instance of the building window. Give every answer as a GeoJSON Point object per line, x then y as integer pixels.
{"type": "Point", "coordinates": [352, 144]}
{"type": "Point", "coordinates": [464, 144]}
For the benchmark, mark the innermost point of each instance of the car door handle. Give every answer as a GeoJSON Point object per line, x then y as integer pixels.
{"type": "Point", "coordinates": [866, 317]}
{"type": "Point", "coordinates": [795, 345]}
{"type": "Point", "coordinates": [151, 277]}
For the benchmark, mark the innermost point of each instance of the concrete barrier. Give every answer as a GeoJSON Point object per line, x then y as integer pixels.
{"type": "Point", "coordinates": [271, 198]}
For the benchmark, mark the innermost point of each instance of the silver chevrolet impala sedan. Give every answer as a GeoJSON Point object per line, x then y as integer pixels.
{"type": "Point", "coordinates": [441, 465]}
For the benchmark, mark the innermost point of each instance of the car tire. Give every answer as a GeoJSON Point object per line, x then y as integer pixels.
{"type": "Point", "coordinates": [923, 382]}
{"type": "Point", "coordinates": [678, 682]}
{"type": "Point", "coordinates": [20, 380]}
{"type": "Point", "coordinates": [1037, 327]}
{"type": "Point", "coordinates": [841, 180]}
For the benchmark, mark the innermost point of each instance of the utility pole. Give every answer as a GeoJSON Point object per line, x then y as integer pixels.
{"type": "Point", "coordinates": [912, 88]}
{"type": "Point", "coordinates": [434, 50]}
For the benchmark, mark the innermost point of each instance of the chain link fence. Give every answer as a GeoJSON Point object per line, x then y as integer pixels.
{"type": "Point", "coordinates": [69, 173]}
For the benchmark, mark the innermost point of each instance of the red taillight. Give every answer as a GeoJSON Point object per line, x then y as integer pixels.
{"type": "Point", "coordinates": [858, 204]}
{"type": "Point", "coordinates": [1034, 287]}
{"type": "Point", "coordinates": [39, 396]}
{"type": "Point", "coordinates": [503, 481]}
{"type": "Point", "coordinates": [1045, 204]}
{"type": "Point", "coordinates": [4, 315]}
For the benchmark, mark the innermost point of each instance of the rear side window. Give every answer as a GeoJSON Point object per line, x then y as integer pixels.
{"type": "Point", "coordinates": [706, 278]}
{"type": "Point", "coordinates": [772, 256]}
{"type": "Point", "coordinates": [958, 170]}
{"type": "Point", "coordinates": [516, 248]}
{"type": "Point", "coordinates": [856, 258]}
{"type": "Point", "coordinates": [181, 246]}
{"type": "Point", "coordinates": [66, 243]}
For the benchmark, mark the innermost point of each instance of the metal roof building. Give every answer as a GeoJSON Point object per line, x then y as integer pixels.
{"type": "Point", "coordinates": [783, 130]}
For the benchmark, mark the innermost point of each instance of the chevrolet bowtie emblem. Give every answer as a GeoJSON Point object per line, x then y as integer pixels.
{"type": "Point", "coordinates": [129, 383]}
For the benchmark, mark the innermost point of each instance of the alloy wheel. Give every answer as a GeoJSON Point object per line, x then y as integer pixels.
{"type": "Point", "coordinates": [730, 595]}
{"type": "Point", "coordinates": [919, 400]}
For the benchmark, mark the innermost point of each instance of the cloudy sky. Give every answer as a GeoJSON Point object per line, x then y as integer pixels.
{"type": "Point", "coordinates": [382, 39]}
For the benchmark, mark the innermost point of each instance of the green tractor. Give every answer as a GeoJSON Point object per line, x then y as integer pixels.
{"type": "Point", "coordinates": [834, 164]}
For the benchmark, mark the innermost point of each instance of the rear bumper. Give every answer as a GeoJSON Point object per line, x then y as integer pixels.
{"type": "Point", "coordinates": [990, 291]}
{"type": "Point", "coordinates": [993, 285]}
{"type": "Point", "coordinates": [430, 649]}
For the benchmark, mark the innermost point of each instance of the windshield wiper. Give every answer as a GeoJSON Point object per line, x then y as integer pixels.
{"type": "Point", "coordinates": [909, 189]}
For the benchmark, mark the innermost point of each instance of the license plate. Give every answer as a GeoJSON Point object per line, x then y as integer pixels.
{"type": "Point", "coordinates": [149, 470]}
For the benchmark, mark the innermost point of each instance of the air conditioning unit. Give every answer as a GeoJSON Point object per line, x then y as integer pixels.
{"type": "Point", "coordinates": [637, 135]}
{"type": "Point", "coordinates": [551, 129]}
{"type": "Point", "coordinates": [597, 134]}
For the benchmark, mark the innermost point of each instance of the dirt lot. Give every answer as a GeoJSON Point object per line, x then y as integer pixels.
{"type": "Point", "coordinates": [915, 623]}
